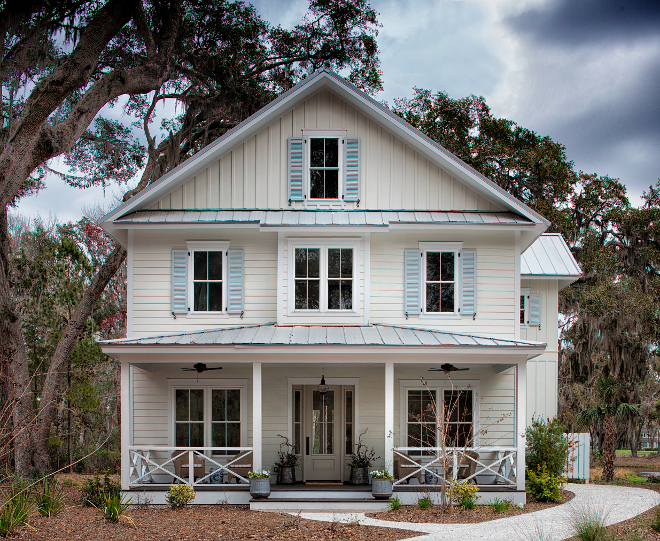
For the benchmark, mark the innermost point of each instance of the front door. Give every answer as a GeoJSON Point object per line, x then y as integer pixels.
{"type": "Point", "coordinates": [322, 449]}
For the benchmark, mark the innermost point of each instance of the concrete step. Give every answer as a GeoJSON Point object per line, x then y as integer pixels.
{"type": "Point", "coordinates": [318, 504]}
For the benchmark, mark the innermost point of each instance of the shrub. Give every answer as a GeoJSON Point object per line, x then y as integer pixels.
{"type": "Point", "coordinates": [424, 503]}
{"type": "Point", "coordinates": [113, 506]}
{"type": "Point", "coordinates": [468, 502]}
{"type": "Point", "coordinates": [543, 485]}
{"type": "Point", "coordinates": [17, 508]}
{"type": "Point", "coordinates": [394, 504]}
{"type": "Point", "coordinates": [464, 489]}
{"type": "Point", "coordinates": [546, 444]}
{"type": "Point", "coordinates": [180, 496]}
{"type": "Point", "coordinates": [49, 498]}
{"type": "Point", "coordinates": [94, 490]}
{"type": "Point", "coordinates": [499, 506]}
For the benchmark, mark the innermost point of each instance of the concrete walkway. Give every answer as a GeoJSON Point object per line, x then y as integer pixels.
{"type": "Point", "coordinates": [614, 503]}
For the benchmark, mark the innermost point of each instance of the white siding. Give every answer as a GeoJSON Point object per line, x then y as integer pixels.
{"type": "Point", "coordinates": [254, 173]}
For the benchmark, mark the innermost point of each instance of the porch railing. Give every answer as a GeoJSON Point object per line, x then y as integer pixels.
{"type": "Point", "coordinates": [155, 465]}
{"type": "Point", "coordinates": [494, 467]}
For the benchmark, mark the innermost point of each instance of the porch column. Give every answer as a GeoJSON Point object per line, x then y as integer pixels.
{"type": "Point", "coordinates": [389, 416]}
{"type": "Point", "coordinates": [126, 413]}
{"type": "Point", "coordinates": [521, 420]}
{"type": "Point", "coordinates": [256, 417]}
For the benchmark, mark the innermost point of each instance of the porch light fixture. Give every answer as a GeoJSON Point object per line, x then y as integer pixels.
{"type": "Point", "coordinates": [322, 387]}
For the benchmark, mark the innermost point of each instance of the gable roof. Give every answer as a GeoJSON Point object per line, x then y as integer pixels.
{"type": "Point", "coordinates": [363, 103]}
{"type": "Point", "coordinates": [549, 257]}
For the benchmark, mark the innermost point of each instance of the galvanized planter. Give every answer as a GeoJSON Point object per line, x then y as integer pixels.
{"type": "Point", "coordinates": [359, 476]}
{"type": "Point", "coordinates": [381, 489]}
{"type": "Point", "coordinates": [286, 475]}
{"type": "Point", "coordinates": [260, 487]}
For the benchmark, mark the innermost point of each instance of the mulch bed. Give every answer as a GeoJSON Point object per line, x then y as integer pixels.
{"type": "Point", "coordinates": [480, 513]}
{"type": "Point", "coordinates": [196, 522]}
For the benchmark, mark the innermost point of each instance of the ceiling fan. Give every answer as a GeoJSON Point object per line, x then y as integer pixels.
{"type": "Point", "coordinates": [200, 367]}
{"type": "Point", "coordinates": [446, 368]}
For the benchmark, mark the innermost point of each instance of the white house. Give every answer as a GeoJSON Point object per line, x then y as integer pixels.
{"type": "Point", "coordinates": [326, 237]}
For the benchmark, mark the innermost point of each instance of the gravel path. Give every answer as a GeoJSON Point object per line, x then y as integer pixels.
{"type": "Point", "coordinates": [614, 503]}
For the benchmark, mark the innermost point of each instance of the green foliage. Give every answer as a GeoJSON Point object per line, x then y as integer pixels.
{"type": "Point", "coordinates": [424, 503]}
{"type": "Point", "coordinates": [384, 474]}
{"type": "Point", "coordinates": [17, 508]}
{"type": "Point", "coordinates": [394, 504]}
{"type": "Point", "coordinates": [49, 498]}
{"type": "Point", "coordinates": [543, 485]}
{"type": "Point", "coordinates": [589, 524]}
{"type": "Point", "coordinates": [113, 506]}
{"type": "Point", "coordinates": [655, 521]}
{"type": "Point", "coordinates": [179, 496]}
{"type": "Point", "coordinates": [546, 444]}
{"type": "Point", "coordinates": [500, 506]}
{"type": "Point", "coordinates": [464, 490]}
{"type": "Point", "coordinates": [95, 490]}
{"type": "Point", "coordinates": [262, 474]}
{"type": "Point", "coordinates": [468, 502]}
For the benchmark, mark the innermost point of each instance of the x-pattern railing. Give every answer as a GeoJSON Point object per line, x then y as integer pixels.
{"type": "Point", "coordinates": [143, 465]}
{"type": "Point", "coordinates": [431, 459]}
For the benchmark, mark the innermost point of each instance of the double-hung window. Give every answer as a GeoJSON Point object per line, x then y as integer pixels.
{"type": "Point", "coordinates": [208, 276]}
{"type": "Point", "coordinates": [440, 277]}
{"type": "Point", "coordinates": [523, 308]}
{"type": "Point", "coordinates": [323, 275]}
{"type": "Point", "coordinates": [324, 168]}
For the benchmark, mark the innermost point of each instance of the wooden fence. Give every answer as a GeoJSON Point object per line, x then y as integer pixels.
{"type": "Point", "coordinates": [577, 465]}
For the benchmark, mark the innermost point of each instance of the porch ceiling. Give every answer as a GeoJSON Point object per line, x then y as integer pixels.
{"type": "Point", "coordinates": [296, 337]}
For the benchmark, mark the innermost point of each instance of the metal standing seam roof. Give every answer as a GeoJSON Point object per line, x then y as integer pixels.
{"type": "Point", "coordinates": [310, 335]}
{"type": "Point", "coordinates": [549, 255]}
{"type": "Point", "coordinates": [319, 217]}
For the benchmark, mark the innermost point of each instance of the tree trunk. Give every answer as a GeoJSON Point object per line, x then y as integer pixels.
{"type": "Point", "coordinates": [608, 448]}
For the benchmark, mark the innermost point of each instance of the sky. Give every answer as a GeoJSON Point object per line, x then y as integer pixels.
{"type": "Point", "coordinates": [584, 72]}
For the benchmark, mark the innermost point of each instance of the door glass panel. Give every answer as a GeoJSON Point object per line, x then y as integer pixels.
{"type": "Point", "coordinates": [323, 419]}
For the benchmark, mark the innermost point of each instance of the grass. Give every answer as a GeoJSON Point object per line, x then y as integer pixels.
{"type": "Point", "coordinates": [424, 503]}
{"type": "Point", "coordinates": [394, 504]}
{"type": "Point", "coordinates": [655, 522]}
{"type": "Point", "coordinates": [500, 506]}
{"type": "Point", "coordinates": [626, 452]}
{"type": "Point", "coordinates": [589, 524]}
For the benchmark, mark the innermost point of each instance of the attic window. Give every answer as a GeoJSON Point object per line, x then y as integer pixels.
{"type": "Point", "coordinates": [324, 168]}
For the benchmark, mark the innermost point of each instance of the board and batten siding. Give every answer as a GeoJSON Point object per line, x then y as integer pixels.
{"type": "Point", "coordinates": [542, 370]}
{"type": "Point", "coordinates": [494, 274]}
{"type": "Point", "coordinates": [393, 175]}
{"type": "Point", "coordinates": [152, 263]}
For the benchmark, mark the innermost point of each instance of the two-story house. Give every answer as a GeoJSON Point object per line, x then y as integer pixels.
{"type": "Point", "coordinates": [319, 271]}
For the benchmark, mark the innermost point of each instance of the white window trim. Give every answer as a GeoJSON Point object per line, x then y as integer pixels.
{"type": "Point", "coordinates": [439, 386]}
{"type": "Point", "coordinates": [207, 385]}
{"type": "Point", "coordinates": [524, 292]}
{"type": "Point", "coordinates": [213, 246]}
{"type": "Point", "coordinates": [455, 247]}
{"type": "Point", "coordinates": [327, 134]}
{"type": "Point", "coordinates": [323, 244]}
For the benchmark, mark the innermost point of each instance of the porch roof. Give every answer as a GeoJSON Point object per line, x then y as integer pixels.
{"type": "Point", "coordinates": [320, 335]}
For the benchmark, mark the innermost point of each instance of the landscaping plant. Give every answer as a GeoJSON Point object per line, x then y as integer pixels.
{"type": "Point", "coordinates": [377, 474]}
{"type": "Point", "coordinates": [424, 503]}
{"type": "Point", "coordinates": [589, 524]}
{"type": "Point", "coordinates": [49, 498]}
{"type": "Point", "coordinates": [465, 494]}
{"type": "Point", "coordinates": [17, 507]}
{"type": "Point", "coordinates": [394, 504]}
{"type": "Point", "coordinates": [543, 485]}
{"type": "Point", "coordinates": [180, 496]}
{"type": "Point", "coordinates": [113, 507]}
{"type": "Point", "coordinates": [94, 490]}
{"type": "Point", "coordinates": [499, 506]}
{"type": "Point", "coordinates": [546, 444]}
{"type": "Point", "coordinates": [655, 522]}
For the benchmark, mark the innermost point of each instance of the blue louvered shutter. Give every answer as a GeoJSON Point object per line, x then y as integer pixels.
{"type": "Point", "coordinates": [296, 168]}
{"type": "Point", "coordinates": [352, 170]}
{"type": "Point", "coordinates": [179, 281]}
{"type": "Point", "coordinates": [235, 295]}
{"type": "Point", "coordinates": [468, 282]}
{"type": "Point", "coordinates": [534, 310]}
{"type": "Point", "coordinates": [412, 262]}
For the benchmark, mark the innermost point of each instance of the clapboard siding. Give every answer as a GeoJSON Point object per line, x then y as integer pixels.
{"type": "Point", "coordinates": [254, 173]}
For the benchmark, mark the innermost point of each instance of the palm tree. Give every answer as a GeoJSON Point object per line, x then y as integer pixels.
{"type": "Point", "coordinates": [608, 409]}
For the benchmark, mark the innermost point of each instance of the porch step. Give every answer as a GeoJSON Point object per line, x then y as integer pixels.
{"type": "Point", "coordinates": [318, 504]}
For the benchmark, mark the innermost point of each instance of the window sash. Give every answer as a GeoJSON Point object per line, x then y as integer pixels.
{"type": "Point", "coordinates": [207, 277]}
{"type": "Point", "coordinates": [440, 283]}
{"type": "Point", "coordinates": [325, 168]}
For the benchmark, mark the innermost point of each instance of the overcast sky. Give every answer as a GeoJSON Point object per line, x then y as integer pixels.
{"type": "Point", "coordinates": [584, 72]}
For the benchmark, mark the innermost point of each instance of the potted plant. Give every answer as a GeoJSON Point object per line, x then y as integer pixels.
{"type": "Point", "coordinates": [287, 464]}
{"type": "Point", "coordinates": [259, 483]}
{"type": "Point", "coordinates": [381, 484]}
{"type": "Point", "coordinates": [360, 462]}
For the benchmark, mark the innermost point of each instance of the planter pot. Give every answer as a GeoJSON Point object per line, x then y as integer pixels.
{"type": "Point", "coordinates": [260, 488]}
{"type": "Point", "coordinates": [359, 476]}
{"type": "Point", "coordinates": [381, 489]}
{"type": "Point", "coordinates": [286, 475]}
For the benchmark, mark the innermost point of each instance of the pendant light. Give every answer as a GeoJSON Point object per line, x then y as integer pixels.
{"type": "Point", "coordinates": [322, 387]}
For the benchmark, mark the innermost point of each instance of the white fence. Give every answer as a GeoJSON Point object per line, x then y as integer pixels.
{"type": "Point", "coordinates": [577, 465]}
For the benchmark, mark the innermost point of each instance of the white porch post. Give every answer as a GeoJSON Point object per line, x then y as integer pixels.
{"type": "Point", "coordinates": [256, 417]}
{"type": "Point", "coordinates": [126, 414]}
{"type": "Point", "coordinates": [521, 420]}
{"type": "Point", "coordinates": [389, 416]}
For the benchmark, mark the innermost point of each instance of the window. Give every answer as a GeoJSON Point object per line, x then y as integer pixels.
{"type": "Point", "coordinates": [297, 421]}
{"type": "Point", "coordinates": [322, 277]}
{"type": "Point", "coordinates": [209, 415]}
{"type": "Point", "coordinates": [422, 426]}
{"type": "Point", "coordinates": [524, 307]}
{"type": "Point", "coordinates": [440, 271]}
{"type": "Point", "coordinates": [208, 276]}
{"type": "Point", "coordinates": [323, 168]}
{"type": "Point", "coordinates": [458, 418]}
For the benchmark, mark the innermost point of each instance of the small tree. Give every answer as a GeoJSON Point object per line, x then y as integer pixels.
{"type": "Point", "coordinates": [546, 444]}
